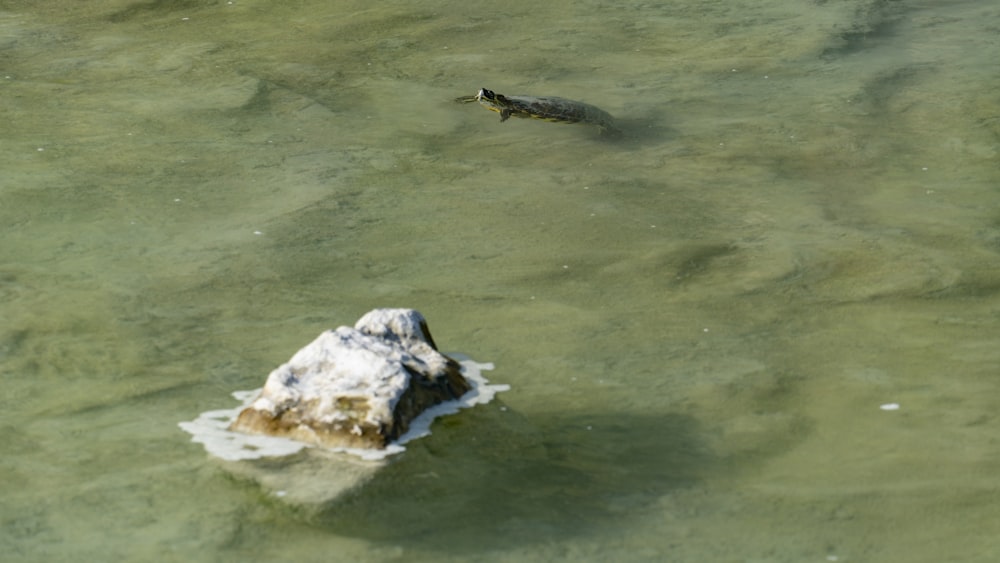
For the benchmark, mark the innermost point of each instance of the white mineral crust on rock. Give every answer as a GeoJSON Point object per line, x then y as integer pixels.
{"type": "Point", "coordinates": [356, 387]}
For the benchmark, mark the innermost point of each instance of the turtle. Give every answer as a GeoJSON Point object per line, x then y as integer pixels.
{"type": "Point", "coordinates": [547, 108]}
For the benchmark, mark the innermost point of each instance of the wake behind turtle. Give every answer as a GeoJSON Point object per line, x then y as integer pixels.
{"type": "Point", "coordinates": [546, 108]}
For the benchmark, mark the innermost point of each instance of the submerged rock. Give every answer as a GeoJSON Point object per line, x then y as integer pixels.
{"type": "Point", "coordinates": [356, 387]}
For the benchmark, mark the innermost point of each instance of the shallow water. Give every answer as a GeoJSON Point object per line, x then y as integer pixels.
{"type": "Point", "coordinates": [699, 320]}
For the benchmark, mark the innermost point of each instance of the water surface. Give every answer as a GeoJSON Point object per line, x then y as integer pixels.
{"type": "Point", "coordinates": [699, 320]}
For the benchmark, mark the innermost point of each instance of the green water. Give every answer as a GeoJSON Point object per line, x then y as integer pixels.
{"type": "Point", "coordinates": [699, 321]}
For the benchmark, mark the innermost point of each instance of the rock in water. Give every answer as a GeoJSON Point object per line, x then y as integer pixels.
{"type": "Point", "coordinates": [356, 387]}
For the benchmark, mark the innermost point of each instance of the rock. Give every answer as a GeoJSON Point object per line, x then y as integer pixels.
{"type": "Point", "coordinates": [356, 387]}
{"type": "Point", "coordinates": [327, 422]}
{"type": "Point", "coordinates": [314, 477]}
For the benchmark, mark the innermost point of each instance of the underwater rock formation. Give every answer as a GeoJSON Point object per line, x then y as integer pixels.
{"type": "Point", "coordinates": [356, 387]}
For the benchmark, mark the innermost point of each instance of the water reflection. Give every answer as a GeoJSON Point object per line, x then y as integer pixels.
{"type": "Point", "coordinates": [543, 479]}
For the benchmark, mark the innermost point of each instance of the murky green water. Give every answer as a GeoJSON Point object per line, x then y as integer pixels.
{"type": "Point", "coordinates": [699, 321]}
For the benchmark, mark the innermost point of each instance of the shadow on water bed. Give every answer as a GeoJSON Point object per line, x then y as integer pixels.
{"type": "Point", "coordinates": [581, 473]}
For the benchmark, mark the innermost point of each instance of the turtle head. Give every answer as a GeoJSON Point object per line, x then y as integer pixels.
{"type": "Point", "coordinates": [493, 102]}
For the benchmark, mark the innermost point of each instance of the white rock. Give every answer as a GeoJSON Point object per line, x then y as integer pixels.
{"type": "Point", "coordinates": [341, 407]}
{"type": "Point", "coordinates": [356, 387]}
